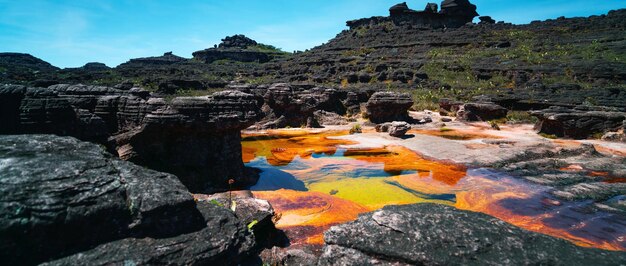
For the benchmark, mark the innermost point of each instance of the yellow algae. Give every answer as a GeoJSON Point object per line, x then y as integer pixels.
{"type": "Point", "coordinates": [372, 193]}
{"type": "Point", "coordinates": [309, 213]}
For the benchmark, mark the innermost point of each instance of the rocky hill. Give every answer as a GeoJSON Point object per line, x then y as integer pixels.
{"type": "Point", "coordinates": [435, 53]}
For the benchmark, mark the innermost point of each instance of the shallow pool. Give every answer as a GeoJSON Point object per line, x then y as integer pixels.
{"type": "Point", "coordinates": [314, 183]}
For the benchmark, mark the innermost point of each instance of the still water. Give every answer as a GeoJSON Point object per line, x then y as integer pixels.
{"type": "Point", "coordinates": [314, 183]}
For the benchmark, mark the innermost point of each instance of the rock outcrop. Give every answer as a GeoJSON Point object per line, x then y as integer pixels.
{"type": "Point", "coordinates": [432, 234]}
{"type": "Point", "coordinates": [453, 14]}
{"type": "Point", "coordinates": [238, 48]}
{"type": "Point", "coordinates": [578, 123]}
{"type": "Point", "coordinates": [388, 106]}
{"type": "Point", "coordinates": [480, 111]}
{"type": "Point", "coordinates": [395, 129]}
{"type": "Point", "coordinates": [70, 202]}
{"type": "Point", "coordinates": [196, 138]}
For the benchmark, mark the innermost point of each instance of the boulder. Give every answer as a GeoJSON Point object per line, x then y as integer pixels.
{"type": "Point", "coordinates": [486, 20]}
{"type": "Point", "coordinates": [578, 123]}
{"type": "Point", "coordinates": [481, 111]}
{"type": "Point", "coordinates": [433, 234]}
{"type": "Point", "coordinates": [60, 196]}
{"type": "Point", "coordinates": [614, 136]}
{"type": "Point", "coordinates": [459, 8]}
{"type": "Point", "coordinates": [447, 106]}
{"type": "Point", "coordinates": [388, 106]}
{"type": "Point", "coordinates": [396, 129]}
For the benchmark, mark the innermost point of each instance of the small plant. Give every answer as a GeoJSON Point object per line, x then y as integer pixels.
{"type": "Point", "coordinates": [216, 203]}
{"type": "Point", "coordinates": [494, 124]}
{"type": "Point", "coordinates": [252, 224]}
{"type": "Point", "coordinates": [233, 204]}
{"type": "Point", "coordinates": [356, 128]}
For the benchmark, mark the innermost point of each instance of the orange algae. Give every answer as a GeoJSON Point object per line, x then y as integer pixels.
{"type": "Point", "coordinates": [491, 196]}
{"type": "Point", "coordinates": [313, 210]}
{"type": "Point", "coordinates": [397, 159]}
{"type": "Point", "coordinates": [352, 181]}
{"type": "Point", "coordinates": [282, 147]}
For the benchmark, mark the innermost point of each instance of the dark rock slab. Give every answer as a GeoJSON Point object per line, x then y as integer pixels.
{"type": "Point", "coordinates": [431, 234]}
{"type": "Point", "coordinates": [480, 111]}
{"type": "Point", "coordinates": [60, 196]}
{"type": "Point", "coordinates": [578, 123]}
{"type": "Point", "coordinates": [388, 106]}
{"type": "Point", "coordinates": [223, 241]}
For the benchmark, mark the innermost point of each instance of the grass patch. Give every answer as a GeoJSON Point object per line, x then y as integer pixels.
{"type": "Point", "coordinates": [519, 117]}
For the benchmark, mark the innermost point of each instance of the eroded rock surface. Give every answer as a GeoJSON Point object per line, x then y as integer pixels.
{"type": "Point", "coordinates": [578, 123]}
{"type": "Point", "coordinates": [196, 138]}
{"type": "Point", "coordinates": [480, 111]}
{"type": "Point", "coordinates": [61, 196]}
{"type": "Point", "coordinates": [388, 106]}
{"type": "Point", "coordinates": [432, 234]}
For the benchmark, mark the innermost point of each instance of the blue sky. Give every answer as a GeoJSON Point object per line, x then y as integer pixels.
{"type": "Point", "coordinates": [70, 33]}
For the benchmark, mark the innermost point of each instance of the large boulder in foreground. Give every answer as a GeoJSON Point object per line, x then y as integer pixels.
{"type": "Point", "coordinates": [60, 196]}
{"type": "Point", "coordinates": [388, 106]}
{"type": "Point", "coordinates": [578, 123]}
{"type": "Point", "coordinates": [432, 234]}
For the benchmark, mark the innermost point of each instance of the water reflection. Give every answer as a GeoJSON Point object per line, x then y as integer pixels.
{"type": "Point", "coordinates": [315, 185]}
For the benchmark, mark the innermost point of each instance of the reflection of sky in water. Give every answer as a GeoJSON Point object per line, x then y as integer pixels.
{"type": "Point", "coordinates": [362, 179]}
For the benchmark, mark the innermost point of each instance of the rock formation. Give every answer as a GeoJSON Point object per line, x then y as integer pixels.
{"type": "Point", "coordinates": [433, 234]}
{"type": "Point", "coordinates": [453, 14]}
{"type": "Point", "coordinates": [388, 106]}
{"type": "Point", "coordinates": [238, 48]}
{"type": "Point", "coordinates": [196, 138]}
{"type": "Point", "coordinates": [579, 123]}
{"type": "Point", "coordinates": [69, 202]}
{"type": "Point", "coordinates": [480, 111]}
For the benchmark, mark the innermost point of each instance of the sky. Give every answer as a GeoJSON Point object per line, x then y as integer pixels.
{"type": "Point", "coordinates": [70, 33]}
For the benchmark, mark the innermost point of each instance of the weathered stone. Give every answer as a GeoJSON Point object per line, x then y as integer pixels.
{"type": "Point", "coordinates": [396, 129]}
{"type": "Point", "coordinates": [432, 234]}
{"type": "Point", "coordinates": [388, 106]}
{"type": "Point", "coordinates": [481, 111]}
{"type": "Point", "coordinates": [60, 196]}
{"type": "Point", "coordinates": [577, 123]}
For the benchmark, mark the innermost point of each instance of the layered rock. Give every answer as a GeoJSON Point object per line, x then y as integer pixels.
{"type": "Point", "coordinates": [196, 138]}
{"type": "Point", "coordinates": [578, 123]}
{"type": "Point", "coordinates": [454, 13]}
{"type": "Point", "coordinates": [480, 111]}
{"type": "Point", "coordinates": [286, 105]}
{"type": "Point", "coordinates": [432, 234]}
{"type": "Point", "coordinates": [388, 106]}
{"type": "Point", "coordinates": [60, 196]}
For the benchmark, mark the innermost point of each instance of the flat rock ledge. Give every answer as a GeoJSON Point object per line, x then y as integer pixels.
{"type": "Point", "coordinates": [433, 234]}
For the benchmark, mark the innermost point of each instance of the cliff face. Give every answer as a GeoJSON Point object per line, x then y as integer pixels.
{"type": "Point", "coordinates": [196, 138]}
